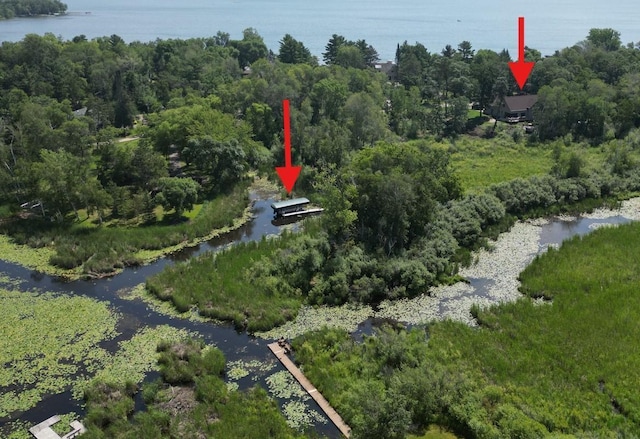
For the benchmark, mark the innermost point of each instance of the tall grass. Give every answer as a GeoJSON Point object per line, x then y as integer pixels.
{"type": "Point", "coordinates": [221, 286]}
{"type": "Point", "coordinates": [566, 365]}
{"type": "Point", "coordinates": [569, 366]}
{"type": "Point", "coordinates": [479, 163]}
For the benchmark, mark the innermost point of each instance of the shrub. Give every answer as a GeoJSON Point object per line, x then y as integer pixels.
{"type": "Point", "coordinates": [210, 389]}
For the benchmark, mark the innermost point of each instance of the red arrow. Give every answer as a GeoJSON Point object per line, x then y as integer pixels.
{"type": "Point", "coordinates": [288, 174]}
{"type": "Point", "coordinates": [521, 69]}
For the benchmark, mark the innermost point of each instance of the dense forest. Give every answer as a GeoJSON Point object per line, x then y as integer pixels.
{"type": "Point", "coordinates": [28, 8]}
{"type": "Point", "coordinates": [111, 149]}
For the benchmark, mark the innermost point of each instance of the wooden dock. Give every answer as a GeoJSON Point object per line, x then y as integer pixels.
{"type": "Point", "coordinates": [281, 354]}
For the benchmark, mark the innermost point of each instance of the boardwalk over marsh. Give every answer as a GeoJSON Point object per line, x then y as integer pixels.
{"type": "Point", "coordinates": [280, 353]}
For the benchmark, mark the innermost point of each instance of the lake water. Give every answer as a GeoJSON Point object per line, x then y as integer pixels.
{"type": "Point", "coordinates": [550, 25]}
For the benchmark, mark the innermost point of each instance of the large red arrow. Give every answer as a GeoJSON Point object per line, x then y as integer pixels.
{"type": "Point", "coordinates": [521, 69]}
{"type": "Point", "coordinates": [288, 174]}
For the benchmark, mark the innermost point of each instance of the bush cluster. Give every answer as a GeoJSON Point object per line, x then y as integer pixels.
{"type": "Point", "coordinates": [189, 400]}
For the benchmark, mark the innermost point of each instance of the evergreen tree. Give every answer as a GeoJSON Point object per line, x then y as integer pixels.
{"type": "Point", "coordinates": [293, 51]}
{"type": "Point", "coordinates": [332, 48]}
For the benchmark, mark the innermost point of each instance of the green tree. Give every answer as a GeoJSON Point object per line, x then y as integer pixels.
{"type": "Point", "coordinates": [607, 39]}
{"type": "Point", "coordinates": [365, 120]}
{"type": "Point", "coordinates": [333, 46]}
{"type": "Point", "coordinates": [466, 52]}
{"type": "Point", "coordinates": [485, 70]}
{"type": "Point", "coordinates": [339, 219]}
{"type": "Point", "coordinates": [350, 56]}
{"type": "Point", "coordinates": [251, 48]}
{"type": "Point", "coordinates": [293, 51]}
{"type": "Point", "coordinates": [327, 98]}
{"type": "Point", "coordinates": [62, 181]}
{"type": "Point", "coordinates": [177, 193]}
{"type": "Point", "coordinates": [223, 163]}
{"type": "Point", "coordinates": [147, 166]}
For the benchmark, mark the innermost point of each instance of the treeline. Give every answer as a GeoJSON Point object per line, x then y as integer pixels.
{"type": "Point", "coordinates": [587, 90]}
{"type": "Point", "coordinates": [28, 8]}
{"type": "Point", "coordinates": [208, 110]}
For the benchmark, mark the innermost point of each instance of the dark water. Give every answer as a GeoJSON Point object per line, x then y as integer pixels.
{"type": "Point", "coordinates": [136, 314]}
{"type": "Point", "coordinates": [235, 345]}
{"type": "Point", "coordinates": [557, 231]}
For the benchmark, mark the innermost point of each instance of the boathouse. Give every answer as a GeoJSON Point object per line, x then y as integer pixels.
{"type": "Point", "coordinates": [288, 207]}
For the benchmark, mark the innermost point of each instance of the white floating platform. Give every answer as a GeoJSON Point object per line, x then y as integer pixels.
{"type": "Point", "coordinates": [44, 431]}
{"type": "Point", "coordinates": [301, 213]}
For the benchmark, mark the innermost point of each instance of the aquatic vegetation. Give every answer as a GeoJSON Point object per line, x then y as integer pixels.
{"type": "Point", "coordinates": [283, 385]}
{"type": "Point", "coordinates": [299, 415]}
{"type": "Point", "coordinates": [33, 258]}
{"type": "Point", "coordinates": [347, 317]}
{"type": "Point", "coordinates": [629, 209]}
{"type": "Point", "coordinates": [62, 427]}
{"type": "Point", "coordinates": [201, 406]}
{"type": "Point", "coordinates": [239, 369]}
{"type": "Point", "coordinates": [139, 292]}
{"type": "Point", "coordinates": [9, 283]}
{"type": "Point", "coordinates": [52, 343]}
{"type": "Point", "coordinates": [296, 410]}
{"type": "Point", "coordinates": [47, 341]}
{"type": "Point", "coordinates": [16, 429]}
{"type": "Point", "coordinates": [134, 357]}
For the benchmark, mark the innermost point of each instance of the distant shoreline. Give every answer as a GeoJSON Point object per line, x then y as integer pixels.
{"type": "Point", "coordinates": [55, 14]}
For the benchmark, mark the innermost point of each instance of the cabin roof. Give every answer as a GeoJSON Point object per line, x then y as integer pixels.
{"type": "Point", "coordinates": [520, 102]}
{"type": "Point", "coordinates": [289, 203]}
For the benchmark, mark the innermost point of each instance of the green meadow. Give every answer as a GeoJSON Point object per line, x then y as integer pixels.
{"type": "Point", "coordinates": [480, 162]}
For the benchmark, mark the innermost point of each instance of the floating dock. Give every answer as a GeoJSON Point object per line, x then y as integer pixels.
{"type": "Point", "coordinates": [44, 431]}
{"type": "Point", "coordinates": [281, 353]}
{"type": "Point", "coordinates": [302, 213]}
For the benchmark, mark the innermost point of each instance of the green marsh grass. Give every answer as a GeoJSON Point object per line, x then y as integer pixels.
{"type": "Point", "coordinates": [221, 286]}
{"type": "Point", "coordinates": [480, 162]}
{"type": "Point", "coordinates": [569, 366]}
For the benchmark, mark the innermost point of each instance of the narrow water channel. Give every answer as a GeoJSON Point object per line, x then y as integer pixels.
{"type": "Point", "coordinates": [136, 314]}
{"type": "Point", "coordinates": [235, 345]}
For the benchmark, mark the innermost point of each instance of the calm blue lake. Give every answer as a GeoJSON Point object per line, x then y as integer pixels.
{"type": "Point", "coordinates": [550, 24]}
